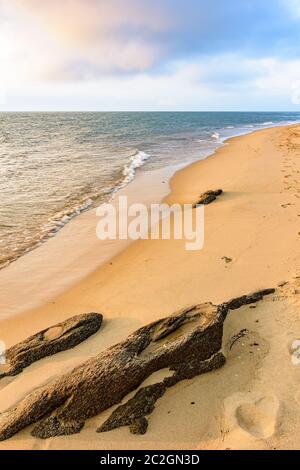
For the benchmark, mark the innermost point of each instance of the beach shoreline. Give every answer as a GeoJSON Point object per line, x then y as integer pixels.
{"type": "Point", "coordinates": [251, 243]}
{"type": "Point", "coordinates": [44, 266]}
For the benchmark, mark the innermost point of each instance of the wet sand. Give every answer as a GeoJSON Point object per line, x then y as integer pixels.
{"type": "Point", "coordinates": [251, 242]}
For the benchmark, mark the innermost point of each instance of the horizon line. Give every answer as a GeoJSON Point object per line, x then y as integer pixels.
{"type": "Point", "coordinates": [145, 111]}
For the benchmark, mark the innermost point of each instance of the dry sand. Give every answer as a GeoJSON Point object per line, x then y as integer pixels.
{"type": "Point", "coordinates": [253, 402]}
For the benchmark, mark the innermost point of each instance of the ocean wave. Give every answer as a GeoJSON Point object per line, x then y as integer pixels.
{"type": "Point", "coordinates": [55, 223]}
{"type": "Point", "coordinates": [268, 123]}
{"type": "Point", "coordinates": [215, 135]}
{"type": "Point", "coordinates": [47, 231]}
{"type": "Point", "coordinates": [136, 161]}
{"type": "Point", "coordinates": [60, 219]}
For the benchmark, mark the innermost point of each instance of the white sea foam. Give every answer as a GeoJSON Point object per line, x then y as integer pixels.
{"type": "Point", "coordinates": [136, 161]}
{"type": "Point", "coordinates": [215, 135]}
{"type": "Point", "coordinates": [49, 230]}
{"type": "Point", "coordinates": [60, 219]}
{"type": "Point", "coordinates": [90, 177]}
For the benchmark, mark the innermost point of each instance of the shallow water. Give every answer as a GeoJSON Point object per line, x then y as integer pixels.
{"type": "Point", "coordinates": [55, 165]}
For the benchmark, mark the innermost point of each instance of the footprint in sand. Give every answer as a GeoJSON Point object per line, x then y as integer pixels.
{"type": "Point", "coordinates": [259, 418]}
{"type": "Point", "coordinates": [246, 347]}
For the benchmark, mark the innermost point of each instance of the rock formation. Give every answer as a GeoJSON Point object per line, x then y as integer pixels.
{"type": "Point", "coordinates": [208, 197]}
{"type": "Point", "coordinates": [188, 343]}
{"type": "Point", "coordinates": [57, 338]}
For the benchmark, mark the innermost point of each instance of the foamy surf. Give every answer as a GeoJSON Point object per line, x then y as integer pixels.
{"type": "Point", "coordinates": [60, 219]}
{"type": "Point", "coordinates": [49, 230]}
{"type": "Point", "coordinates": [215, 135]}
{"type": "Point", "coordinates": [92, 157]}
{"type": "Point", "coordinates": [136, 161]}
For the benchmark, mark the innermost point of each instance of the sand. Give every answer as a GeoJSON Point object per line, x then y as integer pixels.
{"type": "Point", "coordinates": [253, 402]}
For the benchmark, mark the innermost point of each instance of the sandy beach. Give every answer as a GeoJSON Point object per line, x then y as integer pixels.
{"type": "Point", "coordinates": [252, 237]}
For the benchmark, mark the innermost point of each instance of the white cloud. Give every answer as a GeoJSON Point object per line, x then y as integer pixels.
{"type": "Point", "coordinates": [111, 49]}
{"type": "Point", "coordinates": [294, 6]}
{"type": "Point", "coordinates": [260, 84]}
{"type": "Point", "coordinates": [78, 39]}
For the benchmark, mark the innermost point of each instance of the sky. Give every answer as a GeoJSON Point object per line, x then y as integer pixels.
{"type": "Point", "coordinates": [143, 55]}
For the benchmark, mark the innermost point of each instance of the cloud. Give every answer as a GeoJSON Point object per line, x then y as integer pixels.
{"type": "Point", "coordinates": [98, 35]}
{"type": "Point", "coordinates": [263, 83]}
{"type": "Point", "coordinates": [294, 6]}
{"type": "Point", "coordinates": [83, 39]}
{"type": "Point", "coordinates": [158, 54]}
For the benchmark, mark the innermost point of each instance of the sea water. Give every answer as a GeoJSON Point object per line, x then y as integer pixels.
{"type": "Point", "coordinates": [53, 166]}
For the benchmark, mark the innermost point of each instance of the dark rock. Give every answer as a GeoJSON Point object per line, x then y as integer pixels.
{"type": "Point", "coordinates": [140, 405]}
{"type": "Point", "coordinates": [55, 429]}
{"type": "Point", "coordinates": [139, 426]}
{"type": "Point", "coordinates": [208, 197]}
{"type": "Point", "coordinates": [50, 341]}
{"type": "Point", "coordinates": [249, 299]}
{"type": "Point", "coordinates": [188, 344]}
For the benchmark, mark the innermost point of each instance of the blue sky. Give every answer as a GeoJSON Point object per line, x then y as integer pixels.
{"type": "Point", "coordinates": [150, 55]}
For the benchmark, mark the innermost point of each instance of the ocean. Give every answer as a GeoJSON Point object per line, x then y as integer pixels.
{"type": "Point", "coordinates": [53, 166]}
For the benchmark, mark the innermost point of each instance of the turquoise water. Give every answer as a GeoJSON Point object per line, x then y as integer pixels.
{"type": "Point", "coordinates": [55, 165]}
